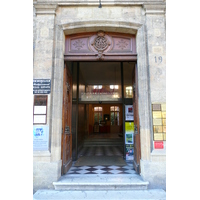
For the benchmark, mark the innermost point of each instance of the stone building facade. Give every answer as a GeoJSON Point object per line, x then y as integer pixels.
{"type": "Point", "coordinates": [53, 20]}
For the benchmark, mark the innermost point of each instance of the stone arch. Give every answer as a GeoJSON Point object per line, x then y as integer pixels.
{"type": "Point", "coordinates": [105, 25]}
{"type": "Point", "coordinates": [143, 85]}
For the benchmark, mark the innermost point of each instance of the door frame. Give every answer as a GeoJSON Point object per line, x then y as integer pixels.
{"type": "Point", "coordinates": [117, 57]}
{"type": "Point", "coordinates": [123, 102]}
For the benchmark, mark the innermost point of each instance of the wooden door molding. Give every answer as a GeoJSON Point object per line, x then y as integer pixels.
{"type": "Point", "coordinates": [100, 46]}
{"type": "Point", "coordinates": [137, 146]}
{"type": "Point", "coordinates": [66, 143]}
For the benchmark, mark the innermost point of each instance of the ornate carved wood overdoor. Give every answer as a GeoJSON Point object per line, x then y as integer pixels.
{"type": "Point", "coordinates": [100, 46]}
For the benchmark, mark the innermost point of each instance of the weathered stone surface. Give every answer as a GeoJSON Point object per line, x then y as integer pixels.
{"type": "Point", "coordinates": [51, 22]}
{"type": "Point", "coordinates": [44, 173]}
{"type": "Point", "coordinates": [155, 173]}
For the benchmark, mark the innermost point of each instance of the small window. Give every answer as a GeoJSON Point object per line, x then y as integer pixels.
{"type": "Point", "coordinates": [128, 92]}
{"type": "Point", "coordinates": [98, 114]}
{"type": "Point", "coordinates": [114, 115]}
{"type": "Point", "coordinates": [40, 109]}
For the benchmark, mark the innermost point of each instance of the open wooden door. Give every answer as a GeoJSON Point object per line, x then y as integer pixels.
{"type": "Point", "coordinates": [66, 146]}
{"type": "Point", "coordinates": [137, 150]}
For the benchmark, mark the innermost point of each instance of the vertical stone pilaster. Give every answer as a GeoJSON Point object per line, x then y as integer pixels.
{"type": "Point", "coordinates": [152, 168]}
{"type": "Point", "coordinates": [48, 65]}
{"type": "Point", "coordinates": [57, 97]}
{"type": "Point", "coordinates": [156, 44]}
{"type": "Point", "coordinates": [43, 40]}
{"type": "Point", "coordinates": [143, 97]}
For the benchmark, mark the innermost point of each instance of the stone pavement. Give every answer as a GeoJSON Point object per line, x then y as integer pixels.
{"type": "Point", "coordinates": [153, 194]}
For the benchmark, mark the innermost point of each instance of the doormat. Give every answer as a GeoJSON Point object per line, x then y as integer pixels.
{"type": "Point", "coordinates": [100, 160]}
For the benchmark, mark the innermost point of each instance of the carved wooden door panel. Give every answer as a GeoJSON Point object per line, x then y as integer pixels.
{"type": "Point", "coordinates": [66, 150]}
{"type": "Point", "coordinates": [100, 46]}
{"type": "Point", "coordinates": [137, 151]}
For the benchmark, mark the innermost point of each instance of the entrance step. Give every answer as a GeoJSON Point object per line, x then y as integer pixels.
{"type": "Point", "coordinates": [101, 182]}
{"type": "Point", "coordinates": [103, 142]}
{"type": "Point", "coordinates": [153, 194]}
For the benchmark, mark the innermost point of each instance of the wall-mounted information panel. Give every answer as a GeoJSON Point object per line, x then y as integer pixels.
{"type": "Point", "coordinates": [40, 109]}
{"type": "Point", "coordinates": [159, 122]}
{"type": "Point", "coordinates": [41, 86]}
{"type": "Point", "coordinates": [40, 138]}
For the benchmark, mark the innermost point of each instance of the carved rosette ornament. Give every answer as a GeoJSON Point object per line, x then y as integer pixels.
{"type": "Point", "coordinates": [101, 42]}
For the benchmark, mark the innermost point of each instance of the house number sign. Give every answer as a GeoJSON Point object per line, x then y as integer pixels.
{"type": "Point", "coordinates": [158, 59]}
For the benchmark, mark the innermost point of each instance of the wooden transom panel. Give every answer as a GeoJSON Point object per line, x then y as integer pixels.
{"type": "Point", "coordinates": [100, 46]}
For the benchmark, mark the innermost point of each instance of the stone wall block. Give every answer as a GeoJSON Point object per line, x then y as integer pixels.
{"type": "Point", "coordinates": [67, 13]}
{"type": "Point", "coordinates": [129, 12]}
{"type": "Point", "coordinates": [155, 173]}
{"type": "Point", "coordinates": [45, 174]}
{"type": "Point", "coordinates": [58, 63]}
{"type": "Point", "coordinates": [117, 13]}
{"type": "Point", "coordinates": [59, 35]}
{"type": "Point", "coordinates": [59, 50]}
{"type": "Point", "coordinates": [40, 72]}
{"type": "Point", "coordinates": [101, 13]}
{"type": "Point", "coordinates": [145, 145]}
{"type": "Point", "coordinates": [156, 40]}
{"type": "Point", "coordinates": [83, 13]}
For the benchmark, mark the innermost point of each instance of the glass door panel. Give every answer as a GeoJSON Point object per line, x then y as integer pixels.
{"type": "Point", "coordinates": [100, 81]}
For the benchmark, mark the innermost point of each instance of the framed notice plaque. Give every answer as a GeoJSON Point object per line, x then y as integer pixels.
{"type": "Point", "coordinates": [40, 109]}
{"type": "Point", "coordinates": [157, 114]}
{"type": "Point", "coordinates": [41, 86]}
{"type": "Point", "coordinates": [159, 121]}
{"type": "Point", "coordinates": [158, 136]}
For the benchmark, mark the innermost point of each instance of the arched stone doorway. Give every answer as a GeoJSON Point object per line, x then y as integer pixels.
{"type": "Point", "coordinates": [142, 72]}
{"type": "Point", "coordinates": [102, 46]}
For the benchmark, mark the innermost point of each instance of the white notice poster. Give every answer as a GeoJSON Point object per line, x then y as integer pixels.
{"type": "Point", "coordinates": [39, 119]}
{"type": "Point", "coordinates": [40, 110]}
{"type": "Point", "coordinates": [129, 113]}
{"type": "Point", "coordinates": [40, 138]}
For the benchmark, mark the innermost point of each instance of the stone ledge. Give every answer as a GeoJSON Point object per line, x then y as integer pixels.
{"type": "Point", "coordinates": [45, 9]}
{"type": "Point", "coordinates": [158, 152]}
{"type": "Point", "coordinates": [41, 153]}
{"type": "Point", "coordinates": [41, 156]}
{"type": "Point", "coordinates": [108, 25]}
{"type": "Point", "coordinates": [158, 156]}
{"type": "Point", "coordinates": [103, 2]}
{"type": "Point", "coordinates": [154, 8]}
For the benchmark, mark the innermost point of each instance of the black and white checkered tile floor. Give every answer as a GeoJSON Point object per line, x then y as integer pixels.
{"type": "Point", "coordinates": [127, 169]}
{"type": "Point", "coordinates": [101, 169]}
{"type": "Point", "coordinates": [102, 151]}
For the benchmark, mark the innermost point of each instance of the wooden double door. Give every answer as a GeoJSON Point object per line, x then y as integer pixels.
{"type": "Point", "coordinates": [97, 46]}
{"type": "Point", "coordinates": [66, 151]}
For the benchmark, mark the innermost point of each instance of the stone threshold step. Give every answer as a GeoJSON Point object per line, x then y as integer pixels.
{"type": "Point", "coordinates": [150, 194]}
{"type": "Point", "coordinates": [101, 182]}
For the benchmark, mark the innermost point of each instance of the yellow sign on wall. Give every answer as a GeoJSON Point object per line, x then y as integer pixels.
{"type": "Point", "coordinates": [159, 121]}
{"type": "Point", "coordinates": [129, 127]}
{"type": "Point", "coordinates": [129, 130]}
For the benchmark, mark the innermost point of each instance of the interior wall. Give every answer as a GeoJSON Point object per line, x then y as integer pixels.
{"type": "Point", "coordinates": [106, 110]}
{"type": "Point", "coordinates": [82, 121]}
